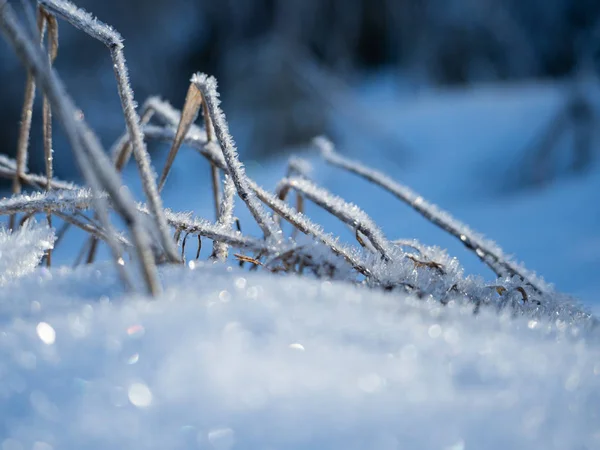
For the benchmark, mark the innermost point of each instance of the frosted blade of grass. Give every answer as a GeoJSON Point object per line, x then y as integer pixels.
{"type": "Point", "coordinates": [161, 111]}
{"type": "Point", "coordinates": [191, 107]}
{"type": "Point", "coordinates": [7, 162]}
{"type": "Point", "coordinates": [153, 108]}
{"type": "Point", "coordinates": [121, 151]}
{"type": "Point", "coordinates": [208, 86]}
{"type": "Point", "coordinates": [84, 21]}
{"type": "Point", "coordinates": [301, 222]}
{"type": "Point", "coordinates": [141, 155]}
{"type": "Point", "coordinates": [8, 169]}
{"type": "Point", "coordinates": [26, 116]}
{"type": "Point", "coordinates": [47, 109]}
{"type": "Point", "coordinates": [306, 226]}
{"type": "Point", "coordinates": [113, 40]}
{"type": "Point", "coordinates": [81, 199]}
{"type": "Point", "coordinates": [225, 218]}
{"type": "Point", "coordinates": [214, 179]}
{"type": "Point", "coordinates": [193, 140]}
{"type": "Point", "coordinates": [84, 144]}
{"type": "Point", "coordinates": [23, 141]}
{"type": "Point", "coordinates": [95, 231]}
{"type": "Point", "coordinates": [168, 115]}
{"type": "Point", "coordinates": [78, 199]}
{"type": "Point", "coordinates": [297, 167]}
{"type": "Point", "coordinates": [47, 113]}
{"type": "Point", "coordinates": [486, 250]}
{"type": "Point", "coordinates": [346, 212]}
{"type": "Point", "coordinates": [200, 227]}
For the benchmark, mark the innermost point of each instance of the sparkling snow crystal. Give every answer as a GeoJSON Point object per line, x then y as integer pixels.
{"type": "Point", "coordinates": [21, 251]}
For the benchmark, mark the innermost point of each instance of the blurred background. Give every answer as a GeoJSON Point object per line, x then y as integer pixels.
{"type": "Point", "coordinates": [284, 64]}
{"type": "Point", "coordinates": [470, 101]}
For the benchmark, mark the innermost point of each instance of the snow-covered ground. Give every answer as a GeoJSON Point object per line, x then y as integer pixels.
{"type": "Point", "coordinates": [229, 359]}
{"type": "Point", "coordinates": [226, 359]}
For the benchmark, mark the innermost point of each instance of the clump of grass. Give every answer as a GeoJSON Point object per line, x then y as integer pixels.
{"type": "Point", "coordinates": [375, 262]}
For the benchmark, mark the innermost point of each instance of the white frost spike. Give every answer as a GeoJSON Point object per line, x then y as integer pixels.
{"type": "Point", "coordinates": [22, 251]}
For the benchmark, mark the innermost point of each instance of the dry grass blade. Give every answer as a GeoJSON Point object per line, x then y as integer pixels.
{"type": "Point", "coordinates": [121, 151]}
{"type": "Point", "coordinates": [193, 102]}
{"type": "Point", "coordinates": [26, 116]}
{"type": "Point", "coordinates": [248, 259]}
{"type": "Point", "coordinates": [47, 114]}
{"type": "Point", "coordinates": [429, 264]}
{"type": "Point", "coordinates": [199, 249]}
{"type": "Point", "coordinates": [501, 290]}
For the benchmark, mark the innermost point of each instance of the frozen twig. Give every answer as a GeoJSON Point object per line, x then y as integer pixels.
{"type": "Point", "coordinates": [26, 116]}
{"type": "Point", "coordinates": [346, 212]}
{"type": "Point", "coordinates": [47, 112]}
{"type": "Point", "coordinates": [95, 231]}
{"type": "Point", "coordinates": [72, 200]}
{"type": "Point", "coordinates": [87, 150]}
{"type": "Point", "coordinates": [225, 218]}
{"type": "Point", "coordinates": [113, 40]}
{"type": "Point", "coordinates": [208, 87]}
{"type": "Point", "coordinates": [301, 222]}
{"type": "Point", "coordinates": [7, 170]}
{"type": "Point", "coordinates": [487, 251]}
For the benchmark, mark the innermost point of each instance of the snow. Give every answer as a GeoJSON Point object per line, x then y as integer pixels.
{"type": "Point", "coordinates": [21, 252]}
{"type": "Point", "coordinates": [231, 359]}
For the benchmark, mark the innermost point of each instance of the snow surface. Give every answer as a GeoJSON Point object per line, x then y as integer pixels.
{"type": "Point", "coordinates": [226, 359]}
{"type": "Point", "coordinates": [22, 251]}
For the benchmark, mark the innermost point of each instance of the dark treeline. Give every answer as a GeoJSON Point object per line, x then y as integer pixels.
{"type": "Point", "coordinates": [264, 51]}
